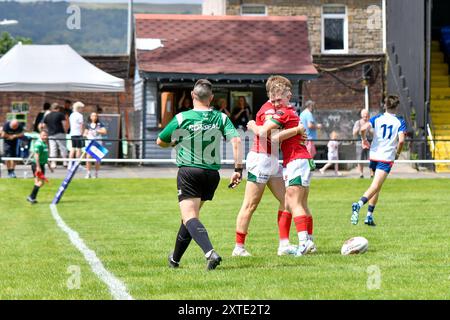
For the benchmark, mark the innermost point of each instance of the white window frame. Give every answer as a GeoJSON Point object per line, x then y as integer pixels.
{"type": "Point", "coordinates": [253, 5]}
{"type": "Point", "coordinates": [343, 16]}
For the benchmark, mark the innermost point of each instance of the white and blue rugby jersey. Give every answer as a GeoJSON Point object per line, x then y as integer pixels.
{"type": "Point", "coordinates": [386, 128]}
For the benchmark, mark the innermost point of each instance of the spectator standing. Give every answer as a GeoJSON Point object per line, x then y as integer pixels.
{"type": "Point", "coordinates": [222, 106]}
{"type": "Point", "coordinates": [68, 112]}
{"type": "Point", "coordinates": [362, 152]}
{"type": "Point", "coordinates": [308, 121]}
{"type": "Point", "coordinates": [94, 131]}
{"type": "Point", "coordinates": [241, 114]}
{"type": "Point", "coordinates": [12, 131]}
{"type": "Point", "coordinates": [76, 131]}
{"type": "Point", "coordinates": [185, 104]}
{"type": "Point", "coordinates": [40, 117]}
{"type": "Point", "coordinates": [56, 124]}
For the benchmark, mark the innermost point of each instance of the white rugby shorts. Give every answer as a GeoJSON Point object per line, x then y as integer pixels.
{"type": "Point", "coordinates": [262, 166]}
{"type": "Point", "coordinates": [298, 172]}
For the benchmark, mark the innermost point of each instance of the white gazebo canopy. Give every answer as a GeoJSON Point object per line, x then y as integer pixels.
{"type": "Point", "coordinates": [53, 68]}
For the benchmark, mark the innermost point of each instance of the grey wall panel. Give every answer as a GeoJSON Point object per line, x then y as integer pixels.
{"type": "Point", "coordinates": [406, 50]}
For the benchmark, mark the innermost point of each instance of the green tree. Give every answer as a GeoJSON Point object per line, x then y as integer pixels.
{"type": "Point", "coordinates": [7, 42]}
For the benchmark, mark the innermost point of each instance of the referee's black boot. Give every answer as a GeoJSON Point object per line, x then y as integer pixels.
{"type": "Point", "coordinates": [172, 263]}
{"type": "Point", "coordinates": [213, 261]}
{"type": "Point", "coordinates": [31, 200]}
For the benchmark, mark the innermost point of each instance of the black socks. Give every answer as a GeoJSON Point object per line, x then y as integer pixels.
{"type": "Point", "coordinates": [199, 234]}
{"type": "Point", "coordinates": [34, 193]}
{"type": "Point", "coordinates": [183, 240]}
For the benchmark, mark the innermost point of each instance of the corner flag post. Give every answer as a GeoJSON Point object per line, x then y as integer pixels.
{"type": "Point", "coordinates": [94, 149]}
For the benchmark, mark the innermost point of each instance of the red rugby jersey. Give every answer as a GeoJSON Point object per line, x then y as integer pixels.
{"type": "Point", "coordinates": [292, 148]}
{"type": "Point", "coordinates": [263, 145]}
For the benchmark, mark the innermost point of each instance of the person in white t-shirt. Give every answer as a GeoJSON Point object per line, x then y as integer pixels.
{"type": "Point", "coordinates": [333, 154]}
{"type": "Point", "coordinates": [76, 131]}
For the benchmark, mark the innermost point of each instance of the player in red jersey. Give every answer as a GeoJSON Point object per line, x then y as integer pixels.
{"type": "Point", "coordinates": [263, 169]}
{"type": "Point", "coordinates": [297, 163]}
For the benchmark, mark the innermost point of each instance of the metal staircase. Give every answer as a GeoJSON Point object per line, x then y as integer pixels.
{"type": "Point", "coordinates": [440, 106]}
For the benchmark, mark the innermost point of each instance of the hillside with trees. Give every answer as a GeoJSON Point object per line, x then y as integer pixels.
{"type": "Point", "coordinates": [102, 27]}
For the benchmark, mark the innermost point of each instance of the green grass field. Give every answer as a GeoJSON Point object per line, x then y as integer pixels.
{"type": "Point", "coordinates": [132, 224]}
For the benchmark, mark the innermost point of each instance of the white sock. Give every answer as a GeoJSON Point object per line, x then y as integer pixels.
{"type": "Point", "coordinates": [361, 204]}
{"type": "Point", "coordinates": [369, 214]}
{"type": "Point", "coordinates": [208, 254]}
{"type": "Point", "coordinates": [284, 242]}
{"type": "Point", "coordinates": [303, 236]}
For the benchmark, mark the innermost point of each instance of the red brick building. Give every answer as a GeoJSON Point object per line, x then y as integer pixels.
{"type": "Point", "coordinates": [115, 103]}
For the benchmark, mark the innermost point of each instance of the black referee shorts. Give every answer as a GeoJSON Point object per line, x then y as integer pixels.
{"type": "Point", "coordinates": [195, 182]}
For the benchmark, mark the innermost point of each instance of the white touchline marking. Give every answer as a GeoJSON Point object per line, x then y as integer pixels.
{"type": "Point", "coordinates": [116, 287]}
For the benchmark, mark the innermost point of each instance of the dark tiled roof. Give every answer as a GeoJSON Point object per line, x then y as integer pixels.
{"type": "Point", "coordinates": [117, 65]}
{"type": "Point", "coordinates": [195, 44]}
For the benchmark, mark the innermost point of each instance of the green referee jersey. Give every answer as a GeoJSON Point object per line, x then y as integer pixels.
{"type": "Point", "coordinates": [40, 148]}
{"type": "Point", "coordinates": [199, 135]}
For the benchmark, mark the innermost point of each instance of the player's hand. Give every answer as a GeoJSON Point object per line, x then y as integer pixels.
{"type": "Point", "coordinates": [235, 180]}
{"type": "Point", "coordinates": [302, 132]}
{"type": "Point", "coordinates": [319, 126]}
{"type": "Point", "coordinates": [38, 170]}
{"type": "Point", "coordinates": [304, 137]}
{"type": "Point", "coordinates": [365, 144]}
{"type": "Point", "coordinates": [251, 125]}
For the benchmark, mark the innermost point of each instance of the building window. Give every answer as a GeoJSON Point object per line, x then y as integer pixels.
{"type": "Point", "coordinates": [253, 10]}
{"type": "Point", "coordinates": [334, 29]}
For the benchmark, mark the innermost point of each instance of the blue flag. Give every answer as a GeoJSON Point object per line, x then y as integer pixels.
{"type": "Point", "coordinates": [96, 150]}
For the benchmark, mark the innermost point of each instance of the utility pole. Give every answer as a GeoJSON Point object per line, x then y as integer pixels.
{"type": "Point", "coordinates": [130, 26]}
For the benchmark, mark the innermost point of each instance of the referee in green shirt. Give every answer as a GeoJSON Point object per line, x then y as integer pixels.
{"type": "Point", "coordinates": [197, 134]}
{"type": "Point", "coordinates": [38, 162]}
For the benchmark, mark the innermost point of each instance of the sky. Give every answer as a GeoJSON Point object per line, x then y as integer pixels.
{"type": "Point", "coordinates": [121, 1]}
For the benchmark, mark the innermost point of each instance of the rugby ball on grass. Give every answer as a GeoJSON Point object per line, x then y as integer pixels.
{"type": "Point", "coordinates": [356, 245]}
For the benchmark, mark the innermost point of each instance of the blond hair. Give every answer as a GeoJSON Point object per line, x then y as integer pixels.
{"type": "Point", "coordinates": [77, 105]}
{"type": "Point", "coordinates": [277, 83]}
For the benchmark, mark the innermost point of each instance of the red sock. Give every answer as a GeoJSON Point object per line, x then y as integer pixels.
{"type": "Point", "coordinates": [309, 220]}
{"type": "Point", "coordinates": [301, 224]}
{"type": "Point", "coordinates": [284, 224]}
{"type": "Point", "coordinates": [240, 238]}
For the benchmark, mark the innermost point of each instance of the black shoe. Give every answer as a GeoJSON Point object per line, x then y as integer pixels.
{"type": "Point", "coordinates": [31, 200]}
{"type": "Point", "coordinates": [213, 261]}
{"type": "Point", "coordinates": [172, 263]}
